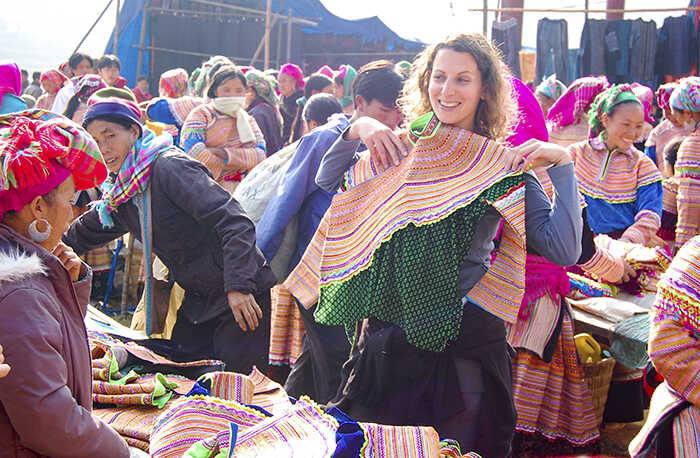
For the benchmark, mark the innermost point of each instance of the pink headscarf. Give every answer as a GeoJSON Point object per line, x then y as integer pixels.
{"type": "Point", "coordinates": [325, 70]}
{"type": "Point", "coordinates": [56, 76]}
{"type": "Point", "coordinates": [173, 83]}
{"type": "Point", "coordinates": [663, 95]}
{"type": "Point", "coordinates": [530, 123]}
{"type": "Point", "coordinates": [295, 72]}
{"type": "Point", "coordinates": [646, 96]}
{"type": "Point", "coordinates": [576, 100]}
{"type": "Point", "coordinates": [10, 80]}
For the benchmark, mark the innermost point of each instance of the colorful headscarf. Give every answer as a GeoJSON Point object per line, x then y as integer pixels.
{"type": "Point", "coordinates": [663, 95]}
{"type": "Point", "coordinates": [604, 102]}
{"type": "Point", "coordinates": [576, 100]}
{"type": "Point", "coordinates": [10, 80]}
{"type": "Point", "coordinates": [56, 76]}
{"type": "Point", "coordinates": [551, 87]}
{"type": "Point", "coordinates": [348, 73]}
{"type": "Point", "coordinates": [325, 70]}
{"type": "Point", "coordinates": [122, 93]}
{"type": "Point", "coordinates": [295, 72]}
{"type": "Point", "coordinates": [262, 86]}
{"type": "Point", "coordinates": [114, 105]}
{"type": "Point", "coordinates": [200, 76]}
{"type": "Point", "coordinates": [530, 121]}
{"type": "Point", "coordinates": [87, 85]}
{"type": "Point", "coordinates": [646, 96]}
{"type": "Point", "coordinates": [173, 83]}
{"type": "Point", "coordinates": [686, 96]}
{"type": "Point", "coordinates": [38, 151]}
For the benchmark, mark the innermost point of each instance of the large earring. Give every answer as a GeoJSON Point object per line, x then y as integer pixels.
{"type": "Point", "coordinates": [37, 235]}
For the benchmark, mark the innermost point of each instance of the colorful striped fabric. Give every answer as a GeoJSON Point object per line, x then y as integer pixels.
{"type": "Point", "coordinates": [269, 394]}
{"type": "Point", "coordinates": [173, 83]}
{"type": "Point", "coordinates": [304, 431]}
{"type": "Point", "coordinates": [133, 423]}
{"type": "Point", "coordinates": [155, 392]}
{"type": "Point", "coordinates": [207, 128]}
{"type": "Point", "coordinates": [553, 399]}
{"type": "Point", "coordinates": [568, 135]}
{"type": "Point", "coordinates": [661, 135]}
{"type": "Point", "coordinates": [287, 330]}
{"type": "Point", "coordinates": [670, 195]}
{"type": "Point", "coordinates": [576, 100]}
{"type": "Point", "coordinates": [229, 386]}
{"type": "Point", "coordinates": [382, 441]}
{"type": "Point", "coordinates": [448, 178]}
{"type": "Point", "coordinates": [687, 172]}
{"type": "Point", "coordinates": [613, 182]}
{"type": "Point", "coordinates": [181, 107]}
{"type": "Point", "coordinates": [195, 418]}
{"type": "Point", "coordinates": [534, 332]}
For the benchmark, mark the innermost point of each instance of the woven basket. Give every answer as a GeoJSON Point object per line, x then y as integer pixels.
{"type": "Point", "coordinates": [598, 377]}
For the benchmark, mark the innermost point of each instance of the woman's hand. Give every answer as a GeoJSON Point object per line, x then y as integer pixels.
{"type": "Point", "coordinates": [4, 368]}
{"type": "Point", "coordinates": [245, 310]}
{"type": "Point", "coordinates": [385, 146]}
{"type": "Point", "coordinates": [629, 274]}
{"type": "Point", "coordinates": [70, 261]}
{"type": "Point", "coordinates": [535, 153]}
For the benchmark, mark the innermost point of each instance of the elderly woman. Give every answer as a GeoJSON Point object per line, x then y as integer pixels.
{"type": "Point", "coordinates": [45, 401]}
{"type": "Point", "coordinates": [198, 230]}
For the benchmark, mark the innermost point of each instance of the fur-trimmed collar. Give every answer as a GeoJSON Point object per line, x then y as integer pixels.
{"type": "Point", "coordinates": [17, 266]}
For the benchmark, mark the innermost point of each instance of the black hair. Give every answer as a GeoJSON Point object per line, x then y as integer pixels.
{"type": "Point", "coordinates": [77, 58]}
{"type": "Point", "coordinates": [36, 76]}
{"type": "Point", "coordinates": [378, 80]}
{"type": "Point", "coordinates": [141, 78]}
{"type": "Point", "coordinates": [108, 61]}
{"type": "Point", "coordinates": [115, 119]}
{"type": "Point", "coordinates": [671, 151]}
{"type": "Point", "coordinates": [613, 109]}
{"type": "Point", "coordinates": [320, 107]}
{"type": "Point", "coordinates": [221, 76]}
{"type": "Point", "coordinates": [316, 83]}
{"type": "Point", "coordinates": [24, 72]}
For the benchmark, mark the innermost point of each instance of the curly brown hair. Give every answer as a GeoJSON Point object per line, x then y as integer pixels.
{"type": "Point", "coordinates": [495, 114]}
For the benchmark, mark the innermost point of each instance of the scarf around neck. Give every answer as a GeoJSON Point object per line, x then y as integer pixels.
{"type": "Point", "coordinates": [134, 175]}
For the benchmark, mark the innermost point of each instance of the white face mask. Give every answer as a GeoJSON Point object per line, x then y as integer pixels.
{"type": "Point", "coordinates": [229, 105]}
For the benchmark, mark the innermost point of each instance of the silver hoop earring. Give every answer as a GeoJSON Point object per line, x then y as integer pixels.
{"type": "Point", "coordinates": [37, 235]}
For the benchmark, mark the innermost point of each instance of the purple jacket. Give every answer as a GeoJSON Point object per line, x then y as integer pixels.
{"type": "Point", "coordinates": [46, 399]}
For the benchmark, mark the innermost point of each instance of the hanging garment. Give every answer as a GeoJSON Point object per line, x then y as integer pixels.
{"type": "Point", "coordinates": [677, 47]}
{"type": "Point", "coordinates": [592, 52]}
{"type": "Point", "coordinates": [553, 49]}
{"type": "Point", "coordinates": [505, 36]}
{"type": "Point", "coordinates": [643, 53]}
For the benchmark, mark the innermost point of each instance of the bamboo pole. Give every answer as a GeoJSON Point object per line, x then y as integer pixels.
{"type": "Point", "coordinates": [260, 46]}
{"type": "Point", "coordinates": [485, 16]}
{"type": "Point", "coordinates": [92, 27]}
{"type": "Point", "coordinates": [142, 39]}
{"type": "Point", "coordinates": [563, 10]}
{"type": "Point", "coordinates": [251, 10]}
{"type": "Point", "coordinates": [116, 30]}
{"type": "Point", "coordinates": [268, 12]}
{"type": "Point", "coordinates": [289, 35]}
{"type": "Point", "coordinates": [186, 53]}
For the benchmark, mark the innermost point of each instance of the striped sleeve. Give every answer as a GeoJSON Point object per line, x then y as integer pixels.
{"type": "Point", "coordinates": [687, 171]}
{"type": "Point", "coordinates": [604, 265]}
{"type": "Point", "coordinates": [194, 131]}
{"type": "Point", "coordinates": [646, 224]}
{"type": "Point", "coordinates": [244, 158]}
{"type": "Point", "coordinates": [676, 356]}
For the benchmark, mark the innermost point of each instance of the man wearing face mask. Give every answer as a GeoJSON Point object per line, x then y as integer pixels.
{"type": "Point", "coordinates": [220, 134]}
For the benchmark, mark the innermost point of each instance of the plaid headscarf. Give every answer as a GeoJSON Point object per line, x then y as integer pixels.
{"type": "Point", "coordinates": [551, 87]}
{"type": "Point", "coordinates": [87, 85]}
{"type": "Point", "coordinates": [173, 83]}
{"type": "Point", "coordinates": [686, 96]}
{"type": "Point", "coordinates": [663, 95]}
{"type": "Point", "coordinates": [576, 100]}
{"type": "Point", "coordinates": [56, 76]}
{"type": "Point", "coordinates": [262, 86]}
{"type": "Point", "coordinates": [36, 147]}
{"type": "Point", "coordinates": [646, 96]}
{"type": "Point", "coordinates": [604, 102]}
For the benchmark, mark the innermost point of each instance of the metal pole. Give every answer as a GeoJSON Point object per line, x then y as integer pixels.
{"type": "Point", "coordinates": [586, 8]}
{"type": "Point", "coordinates": [92, 27]}
{"type": "Point", "coordinates": [289, 36]}
{"type": "Point", "coordinates": [268, 11]}
{"type": "Point", "coordinates": [486, 21]}
{"type": "Point", "coordinates": [116, 31]}
{"type": "Point", "coordinates": [142, 39]}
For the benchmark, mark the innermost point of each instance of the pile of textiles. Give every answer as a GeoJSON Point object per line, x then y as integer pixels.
{"type": "Point", "coordinates": [648, 263]}
{"type": "Point", "coordinates": [195, 409]}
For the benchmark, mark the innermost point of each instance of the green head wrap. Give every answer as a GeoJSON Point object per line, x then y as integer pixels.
{"type": "Point", "coordinates": [604, 102]}
{"type": "Point", "coordinates": [349, 74]}
{"type": "Point", "coordinates": [263, 86]}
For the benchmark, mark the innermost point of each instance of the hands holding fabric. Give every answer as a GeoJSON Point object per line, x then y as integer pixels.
{"type": "Point", "coordinates": [70, 261]}
{"type": "Point", "coordinates": [384, 145]}
{"type": "Point", "coordinates": [245, 310]}
{"type": "Point", "coordinates": [4, 368]}
{"type": "Point", "coordinates": [535, 153]}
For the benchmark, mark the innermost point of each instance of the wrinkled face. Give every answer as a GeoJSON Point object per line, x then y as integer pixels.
{"type": "Point", "coordinates": [59, 213]}
{"type": "Point", "coordinates": [109, 75]}
{"type": "Point", "coordinates": [49, 86]}
{"type": "Point", "coordinates": [625, 126]}
{"type": "Point", "coordinates": [115, 141]}
{"type": "Point", "coordinates": [545, 102]}
{"type": "Point", "coordinates": [387, 115]}
{"type": "Point", "coordinates": [83, 68]}
{"type": "Point", "coordinates": [288, 85]}
{"type": "Point", "coordinates": [455, 88]}
{"type": "Point", "coordinates": [231, 88]}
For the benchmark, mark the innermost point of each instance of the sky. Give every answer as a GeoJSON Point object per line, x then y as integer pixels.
{"type": "Point", "coordinates": [39, 34]}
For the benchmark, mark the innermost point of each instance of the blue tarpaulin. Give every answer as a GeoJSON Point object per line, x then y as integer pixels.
{"type": "Point", "coordinates": [370, 30]}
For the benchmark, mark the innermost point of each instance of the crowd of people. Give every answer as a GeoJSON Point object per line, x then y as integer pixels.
{"type": "Point", "coordinates": [420, 220]}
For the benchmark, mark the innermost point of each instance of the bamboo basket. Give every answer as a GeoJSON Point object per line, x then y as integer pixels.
{"type": "Point", "coordinates": [598, 377]}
